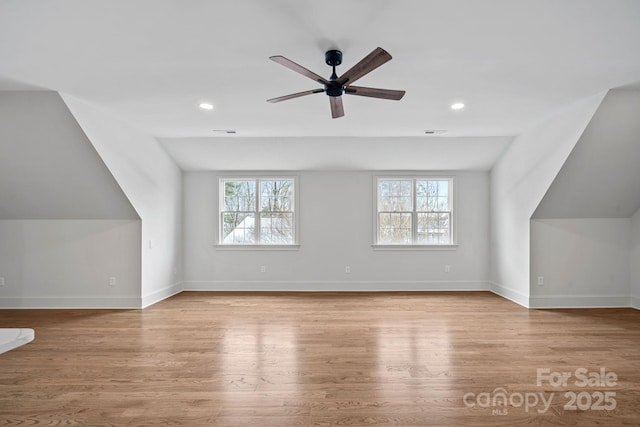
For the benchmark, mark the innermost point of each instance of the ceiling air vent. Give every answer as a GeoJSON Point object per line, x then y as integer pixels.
{"type": "Point", "coordinates": [434, 131]}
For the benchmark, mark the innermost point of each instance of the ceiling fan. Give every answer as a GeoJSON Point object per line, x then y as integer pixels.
{"type": "Point", "coordinates": [336, 86]}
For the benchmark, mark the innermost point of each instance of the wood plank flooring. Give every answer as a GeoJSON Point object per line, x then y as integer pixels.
{"type": "Point", "coordinates": [322, 359]}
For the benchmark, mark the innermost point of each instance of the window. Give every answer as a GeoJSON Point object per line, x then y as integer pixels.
{"type": "Point", "coordinates": [257, 211]}
{"type": "Point", "coordinates": [414, 211]}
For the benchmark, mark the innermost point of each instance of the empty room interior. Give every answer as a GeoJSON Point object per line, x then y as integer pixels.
{"type": "Point", "coordinates": [296, 213]}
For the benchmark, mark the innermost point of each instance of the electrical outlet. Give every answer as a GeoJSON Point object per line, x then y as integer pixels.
{"type": "Point", "coordinates": [2, 281]}
{"type": "Point", "coordinates": [540, 280]}
{"type": "Point", "coordinates": [347, 269]}
{"type": "Point", "coordinates": [112, 281]}
{"type": "Point", "coordinates": [447, 268]}
{"type": "Point", "coordinates": [263, 269]}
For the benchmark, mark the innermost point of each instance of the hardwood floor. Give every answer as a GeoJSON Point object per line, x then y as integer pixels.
{"type": "Point", "coordinates": [322, 359]}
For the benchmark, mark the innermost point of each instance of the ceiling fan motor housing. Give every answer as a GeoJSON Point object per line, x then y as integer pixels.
{"type": "Point", "coordinates": [333, 57]}
{"type": "Point", "coordinates": [334, 88]}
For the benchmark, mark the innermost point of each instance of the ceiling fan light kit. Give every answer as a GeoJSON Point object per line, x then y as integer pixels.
{"type": "Point", "coordinates": [336, 86]}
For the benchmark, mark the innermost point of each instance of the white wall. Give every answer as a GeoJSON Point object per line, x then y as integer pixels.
{"type": "Point", "coordinates": [580, 232]}
{"type": "Point", "coordinates": [68, 263]}
{"type": "Point", "coordinates": [331, 240]}
{"type": "Point", "coordinates": [153, 183]}
{"type": "Point", "coordinates": [583, 262]}
{"type": "Point", "coordinates": [519, 180]}
{"type": "Point", "coordinates": [66, 227]}
{"type": "Point", "coordinates": [634, 260]}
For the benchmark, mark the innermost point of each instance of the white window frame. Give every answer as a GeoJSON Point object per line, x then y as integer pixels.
{"type": "Point", "coordinates": [258, 178]}
{"type": "Point", "coordinates": [452, 245]}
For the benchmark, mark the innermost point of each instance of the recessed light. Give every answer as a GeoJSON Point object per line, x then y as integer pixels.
{"type": "Point", "coordinates": [457, 106]}
{"type": "Point", "coordinates": [206, 106]}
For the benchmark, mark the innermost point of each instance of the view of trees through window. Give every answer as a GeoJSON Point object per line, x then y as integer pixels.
{"type": "Point", "coordinates": [414, 211]}
{"type": "Point", "coordinates": [258, 211]}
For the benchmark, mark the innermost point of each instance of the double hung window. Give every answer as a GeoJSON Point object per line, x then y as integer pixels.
{"type": "Point", "coordinates": [258, 211]}
{"type": "Point", "coordinates": [414, 211]}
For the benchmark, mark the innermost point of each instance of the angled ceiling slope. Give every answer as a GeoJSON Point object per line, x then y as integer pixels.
{"type": "Point", "coordinates": [48, 167]}
{"type": "Point", "coordinates": [601, 176]}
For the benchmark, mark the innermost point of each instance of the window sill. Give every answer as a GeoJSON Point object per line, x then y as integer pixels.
{"type": "Point", "coordinates": [256, 247]}
{"type": "Point", "coordinates": [415, 247]}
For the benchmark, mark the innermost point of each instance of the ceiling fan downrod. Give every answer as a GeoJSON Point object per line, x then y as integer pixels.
{"type": "Point", "coordinates": [333, 58]}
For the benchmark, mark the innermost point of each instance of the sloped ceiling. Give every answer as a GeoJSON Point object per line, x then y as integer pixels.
{"type": "Point", "coordinates": [48, 167]}
{"type": "Point", "coordinates": [151, 62]}
{"type": "Point", "coordinates": [601, 176]}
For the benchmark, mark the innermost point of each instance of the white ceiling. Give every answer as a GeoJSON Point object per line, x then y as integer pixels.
{"type": "Point", "coordinates": [151, 62]}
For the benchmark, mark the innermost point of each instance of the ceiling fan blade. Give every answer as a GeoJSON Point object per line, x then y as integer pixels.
{"type": "Point", "coordinates": [298, 69]}
{"type": "Point", "coordinates": [395, 95]}
{"type": "Point", "coordinates": [369, 63]}
{"type": "Point", "coordinates": [337, 109]}
{"type": "Point", "coordinates": [294, 95]}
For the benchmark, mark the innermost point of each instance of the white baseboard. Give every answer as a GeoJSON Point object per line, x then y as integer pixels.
{"type": "Point", "coordinates": [90, 302]}
{"type": "Point", "coordinates": [70, 302]}
{"type": "Point", "coordinates": [579, 301]}
{"type": "Point", "coordinates": [161, 294]}
{"type": "Point", "coordinates": [510, 294]}
{"type": "Point", "coordinates": [335, 286]}
{"type": "Point", "coordinates": [534, 302]}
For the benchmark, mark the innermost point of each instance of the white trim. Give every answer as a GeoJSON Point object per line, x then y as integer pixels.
{"type": "Point", "coordinates": [76, 302]}
{"type": "Point", "coordinates": [70, 303]}
{"type": "Point", "coordinates": [510, 294]}
{"type": "Point", "coordinates": [414, 247]}
{"type": "Point", "coordinates": [256, 247]}
{"type": "Point", "coordinates": [162, 294]}
{"type": "Point", "coordinates": [579, 301]}
{"type": "Point", "coordinates": [333, 286]}
{"type": "Point", "coordinates": [541, 302]}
